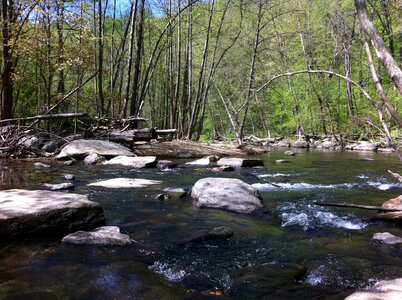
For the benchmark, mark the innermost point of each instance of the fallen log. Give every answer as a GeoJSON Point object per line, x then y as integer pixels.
{"type": "Point", "coordinates": [346, 205]}
{"type": "Point", "coordinates": [43, 117]}
{"type": "Point", "coordinates": [386, 217]}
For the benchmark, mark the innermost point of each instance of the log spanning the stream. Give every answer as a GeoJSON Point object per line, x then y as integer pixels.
{"type": "Point", "coordinates": [43, 117]}
{"type": "Point", "coordinates": [369, 207]}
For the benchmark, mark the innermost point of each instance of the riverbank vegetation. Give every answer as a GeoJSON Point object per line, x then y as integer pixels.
{"type": "Point", "coordinates": [210, 69]}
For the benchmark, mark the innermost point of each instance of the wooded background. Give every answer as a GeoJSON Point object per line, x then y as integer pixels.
{"type": "Point", "coordinates": [210, 69]}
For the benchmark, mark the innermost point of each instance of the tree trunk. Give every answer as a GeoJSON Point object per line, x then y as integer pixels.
{"type": "Point", "coordinates": [384, 56]}
{"type": "Point", "coordinates": [137, 64]}
{"type": "Point", "coordinates": [7, 61]}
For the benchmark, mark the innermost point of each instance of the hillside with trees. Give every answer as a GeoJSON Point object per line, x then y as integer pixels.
{"type": "Point", "coordinates": [212, 69]}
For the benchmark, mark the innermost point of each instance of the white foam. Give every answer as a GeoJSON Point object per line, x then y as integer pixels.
{"type": "Point", "coordinates": [167, 272]}
{"type": "Point", "coordinates": [276, 175]}
{"type": "Point", "coordinates": [339, 222]}
{"type": "Point", "coordinates": [301, 186]}
{"type": "Point", "coordinates": [316, 277]}
{"type": "Point", "coordinates": [384, 186]}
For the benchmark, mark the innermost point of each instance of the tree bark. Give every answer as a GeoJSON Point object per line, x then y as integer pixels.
{"type": "Point", "coordinates": [7, 60]}
{"type": "Point", "coordinates": [384, 56]}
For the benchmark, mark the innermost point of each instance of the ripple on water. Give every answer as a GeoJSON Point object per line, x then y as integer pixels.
{"type": "Point", "coordinates": [167, 271]}
{"type": "Point", "coordinates": [309, 217]}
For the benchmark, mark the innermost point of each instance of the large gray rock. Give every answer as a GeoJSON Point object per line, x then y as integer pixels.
{"type": "Point", "coordinates": [137, 162]}
{"type": "Point", "coordinates": [387, 238]}
{"type": "Point", "coordinates": [383, 290]}
{"type": "Point", "coordinates": [82, 148]}
{"type": "Point", "coordinates": [299, 144]}
{"type": "Point", "coordinates": [365, 146]}
{"type": "Point", "coordinates": [228, 194]}
{"type": "Point", "coordinates": [117, 183]}
{"type": "Point", "coordinates": [240, 162]}
{"type": "Point", "coordinates": [26, 212]}
{"type": "Point", "coordinates": [105, 235]}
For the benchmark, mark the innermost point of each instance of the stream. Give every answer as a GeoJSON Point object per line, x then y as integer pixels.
{"type": "Point", "coordinates": [258, 262]}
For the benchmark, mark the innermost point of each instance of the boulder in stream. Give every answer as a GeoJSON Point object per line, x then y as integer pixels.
{"type": "Point", "coordinates": [105, 235]}
{"type": "Point", "coordinates": [93, 159]}
{"type": "Point", "coordinates": [228, 194]}
{"type": "Point", "coordinates": [205, 161]}
{"type": "Point", "coordinates": [82, 148]}
{"type": "Point", "coordinates": [136, 162]}
{"type": "Point", "coordinates": [387, 238]}
{"type": "Point", "coordinates": [118, 183]}
{"type": "Point", "coordinates": [27, 212]}
{"type": "Point", "coordinates": [383, 290]}
{"type": "Point", "coordinates": [239, 162]}
{"type": "Point", "coordinates": [395, 203]}
{"type": "Point", "coordinates": [166, 164]}
{"type": "Point", "coordinates": [59, 186]}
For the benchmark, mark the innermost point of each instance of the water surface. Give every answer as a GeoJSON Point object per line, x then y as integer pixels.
{"type": "Point", "coordinates": [260, 261]}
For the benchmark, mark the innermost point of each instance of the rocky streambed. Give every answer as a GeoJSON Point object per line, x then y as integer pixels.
{"type": "Point", "coordinates": [161, 240]}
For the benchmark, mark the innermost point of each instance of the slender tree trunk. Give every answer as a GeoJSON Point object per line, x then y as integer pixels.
{"type": "Point", "coordinates": [196, 105]}
{"type": "Point", "coordinates": [100, 60]}
{"type": "Point", "coordinates": [7, 60]}
{"type": "Point", "coordinates": [383, 54]}
{"type": "Point", "coordinates": [60, 50]}
{"type": "Point", "coordinates": [138, 59]}
{"type": "Point", "coordinates": [133, 18]}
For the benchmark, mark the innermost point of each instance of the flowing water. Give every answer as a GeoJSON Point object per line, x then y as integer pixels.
{"type": "Point", "coordinates": [262, 260]}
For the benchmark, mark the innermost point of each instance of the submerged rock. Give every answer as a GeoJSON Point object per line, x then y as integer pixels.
{"type": "Point", "coordinates": [217, 233]}
{"type": "Point", "coordinates": [41, 165]}
{"type": "Point", "coordinates": [69, 177]}
{"type": "Point", "coordinates": [26, 212]}
{"type": "Point", "coordinates": [387, 238]}
{"type": "Point", "coordinates": [105, 235]}
{"type": "Point", "coordinates": [175, 193]}
{"type": "Point", "coordinates": [289, 153]}
{"type": "Point", "coordinates": [59, 186]}
{"type": "Point", "coordinates": [223, 169]}
{"type": "Point", "coordinates": [137, 162]}
{"type": "Point", "coordinates": [240, 162]}
{"type": "Point", "coordinates": [117, 183]}
{"type": "Point", "coordinates": [263, 281]}
{"type": "Point", "coordinates": [383, 290]}
{"type": "Point", "coordinates": [93, 159]}
{"type": "Point", "coordinates": [281, 161]}
{"type": "Point", "coordinates": [228, 194]}
{"type": "Point", "coordinates": [82, 148]}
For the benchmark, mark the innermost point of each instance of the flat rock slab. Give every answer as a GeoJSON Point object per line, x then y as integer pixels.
{"type": "Point", "coordinates": [59, 186]}
{"type": "Point", "coordinates": [383, 290]}
{"type": "Point", "coordinates": [387, 238]}
{"type": "Point", "coordinates": [240, 162]}
{"type": "Point", "coordinates": [105, 235]}
{"type": "Point", "coordinates": [200, 162]}
{"type": "Point", "coordinates": [133, 162]}
{"type": "Point", "coordinates": [27, 212]}
{"type": "Point", "coordinates": [228, 194]}
{"type": "Point", "coordinates": [83, 148]}
{"type": "Point", "coordinates": [117, 183]}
